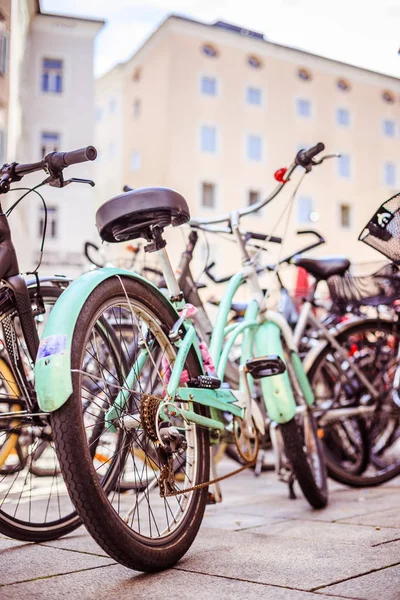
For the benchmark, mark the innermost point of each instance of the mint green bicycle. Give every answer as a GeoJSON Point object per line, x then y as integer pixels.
{"type": "Point", "coordinates": [152, 420]}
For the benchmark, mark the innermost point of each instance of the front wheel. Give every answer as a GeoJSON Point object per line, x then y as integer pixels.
{"type": "Point", "coordinates": [141, 527]}
{"type": "Point", "coordinates": [303, 446]}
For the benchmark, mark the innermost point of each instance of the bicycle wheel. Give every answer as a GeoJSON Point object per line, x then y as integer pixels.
{"type": "Point", "coordinates": [303, 447]}
{"type": "Point", "coordinates": [144, 527]}
{"type": "Point", "coordinates": [360, 450]}
{"type": "Point", "coordinates": [34, 502]}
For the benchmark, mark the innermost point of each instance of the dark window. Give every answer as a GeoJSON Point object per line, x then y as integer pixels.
{"type": "Point", "coordinates": [49, 142]}
{"type": "Point", "coordinates": [52, 228]}
{"type": "Point", "coordinates": [137, 74]}
{"type": "Point", "coordinates": [345, 216]}
{"type": "Point", "coordinates": [388, 97]}
{"type": "Point", "coordinates": [4, 44]}
{"type": "Point", "coordinates": [208, 195]}
{"type": "Point", "coordinates": [343, 85]}
{"type": "Point", "coordinates": [304, 74]}
{"type": "Point", "coordinates": [254, 61]}
{"type": "Point", "coordinates": [137, 106]}
{"type": "Point", "coordinates": [52, 75]}
{"type": "Point", "coordinates": [254, 197]}
{"type": "Point", "coordinates": [209, 50]}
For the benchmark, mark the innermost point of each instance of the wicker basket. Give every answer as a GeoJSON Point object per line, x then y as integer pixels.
{"type": "Point", "coordinates": [383, 230]}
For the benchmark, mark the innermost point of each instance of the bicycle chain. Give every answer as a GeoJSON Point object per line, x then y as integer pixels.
{"type": "Point", "coordinates": [205, 484]}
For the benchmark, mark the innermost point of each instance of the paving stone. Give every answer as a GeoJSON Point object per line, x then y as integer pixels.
{"type": "Point", "coordinates": [21, 562]}
{"type": "Point", "coordinates": [301, 564]}
{"type": "Point", "coordinates": [382, 518]}
{"type": "Point", "coordinates": [382, 585]}
{"type": "Point", "coordinates": [116, 582]}
{"type": "Point", "coordinates": [329, 532]}
{"type": "Point", "coordinates": [79, 541]}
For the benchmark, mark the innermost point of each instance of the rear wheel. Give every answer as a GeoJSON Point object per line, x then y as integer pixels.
{"type": "Point", "coordinates": [360, 450]}
{"type": "Point", "coordinates": [34, 503]}
{"type": "Point", "coordinates": [144, 524]}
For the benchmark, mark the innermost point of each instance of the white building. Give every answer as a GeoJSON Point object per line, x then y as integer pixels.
{"type": "Point", "coordinates": [56, 99]}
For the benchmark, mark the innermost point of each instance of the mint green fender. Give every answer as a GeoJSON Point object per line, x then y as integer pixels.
{"type": "Point", "coordinates": [53, 361]}
{"type": "Point", "coordinates": [277, 391]}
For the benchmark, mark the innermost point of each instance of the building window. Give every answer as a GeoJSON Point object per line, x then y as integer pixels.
{"type": "Point", "coordinates": [112, 149]}
{"type": "Point", "coordinates": [304, 209]}
{"type": "Point", "coordinates": [52, 75]}
{"type": "Point", "coordinates": [49, 142]}
{"type": "Point", "coordinates": [254, 61]}
{"type": "Point", "coordinates": [209, 50]}
{"type": "Point", "coordinates": [99, 114]}
{"type": "Point", "coordinates": [253, 96]}
{"type": "Point", "coordinates": [208, 195]}
{"type": "Point", "coordinates": [303, 107]}
{"type": "Point", "coordinates": [304, 74]}
{"type": "Point", "coordinates": [388, 97]}
{"type": "Point", "coordinates": [389, 128]}
{"type": "Point", "coordinates": [343, 85]}
{"type": "Point", "coordinates": [52, 224]}
{"type": "Point", "coordinates": [343, 117]}
{"type": "Point", "coordinates": [137, 107]}
{"type": "Point", "coordinates": [137, 73]}
{"type": "Point", "coordinates": [4, 44]}
{"type": "Point", "coordinates": [135, 161]}
{"type": "Point", "coordinates": [112, 106]}
{"type": "Point", "coordinates": [208, 86]}
{"type": "Point", "coordinates": [254, 147]}
{"type": "Point", "coordinates": [254, 197]}
{"type": "Point", "coordinates": [208, 139]}
{"type": "Point", "coordinates": [344, 166]}
{"type": "Point", "coordinates": [345, 215]}
{"type": "Point", "coordinates": [389, 174]}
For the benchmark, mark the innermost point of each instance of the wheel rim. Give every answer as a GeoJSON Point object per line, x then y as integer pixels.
{"type": "Point", "coordinates": [127, 461]}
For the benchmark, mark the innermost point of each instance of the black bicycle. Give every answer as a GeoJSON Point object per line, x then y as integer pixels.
{"type": "Point", "coordinates": [34, 503]}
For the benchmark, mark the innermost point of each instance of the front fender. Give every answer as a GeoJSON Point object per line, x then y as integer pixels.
{"type": "Point", "coordinates": [53, 362]}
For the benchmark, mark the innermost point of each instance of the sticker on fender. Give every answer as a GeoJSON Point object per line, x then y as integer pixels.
{"type": "Point", "coordinates": [51, 345]}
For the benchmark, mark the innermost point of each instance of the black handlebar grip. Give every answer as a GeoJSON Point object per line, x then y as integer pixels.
{"type": "Point", "coordinates": [265, 237]}
{"type": "Point", "coordinates": [304, 157]}
{"type": "Point", "coordinates": [57, 161]}
{"type": "Point", "coordinates": [78, 156]}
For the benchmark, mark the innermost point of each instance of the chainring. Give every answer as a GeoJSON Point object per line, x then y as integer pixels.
{"type": "Point", "coordinates": [246, 446]}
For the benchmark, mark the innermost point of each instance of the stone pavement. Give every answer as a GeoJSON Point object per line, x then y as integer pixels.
{"type": "Point", "coordinates": [257, 544]}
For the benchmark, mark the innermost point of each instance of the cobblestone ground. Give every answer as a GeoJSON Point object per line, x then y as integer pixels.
{"type": "Point", "coordinates": [256, 544]}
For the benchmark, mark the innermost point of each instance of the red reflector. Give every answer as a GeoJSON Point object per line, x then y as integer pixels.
{"type": "Point", "coordinates": [279, 174]}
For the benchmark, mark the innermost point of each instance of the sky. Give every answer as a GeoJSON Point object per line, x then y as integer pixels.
{"type": "Point", "coordinates": [365, 33]}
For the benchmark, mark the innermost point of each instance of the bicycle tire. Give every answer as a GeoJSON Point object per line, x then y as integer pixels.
{"type": "Point", "coordinates": [138, 550]}
{"type": "Point", "coordinates": [343, 473]}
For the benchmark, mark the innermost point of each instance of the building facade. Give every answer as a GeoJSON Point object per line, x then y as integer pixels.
{"type": "Point", "coordinates": [52, 99]}
{"type": "Point", "coordinates": [214, 110]}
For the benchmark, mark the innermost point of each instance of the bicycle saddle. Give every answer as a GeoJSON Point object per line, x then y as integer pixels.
{"type": "Point", "coordinates": [131, 215]}
{"type": "Point", "coordinates": [322, 268]}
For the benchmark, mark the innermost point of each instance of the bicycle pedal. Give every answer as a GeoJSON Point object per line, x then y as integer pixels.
{"type": "Point", "coordinates": [208, 382]}
{"type": "Point", "coordinates": [265, 366]}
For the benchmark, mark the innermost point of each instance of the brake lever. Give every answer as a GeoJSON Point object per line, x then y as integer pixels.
{"type": "Point", "coordinates": [77, 180]}
{"type": "Point", "coordinates": [319, 162]}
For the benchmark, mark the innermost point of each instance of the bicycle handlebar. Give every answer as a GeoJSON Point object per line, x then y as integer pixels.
{"type": "Point", "coordinates": [304, 157]}
{"type": "Point", "coordinates": [54, 163]}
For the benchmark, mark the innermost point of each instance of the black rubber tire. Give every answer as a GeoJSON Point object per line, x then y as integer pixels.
{"type": "Point", "coordinates": [102, 521]}
{"type": "Point", "coordinates": [29, 531]}
{"type": "Point", "coordinates": [334, 470]}
{"type": "Point", "coordinates": [317, 495]}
